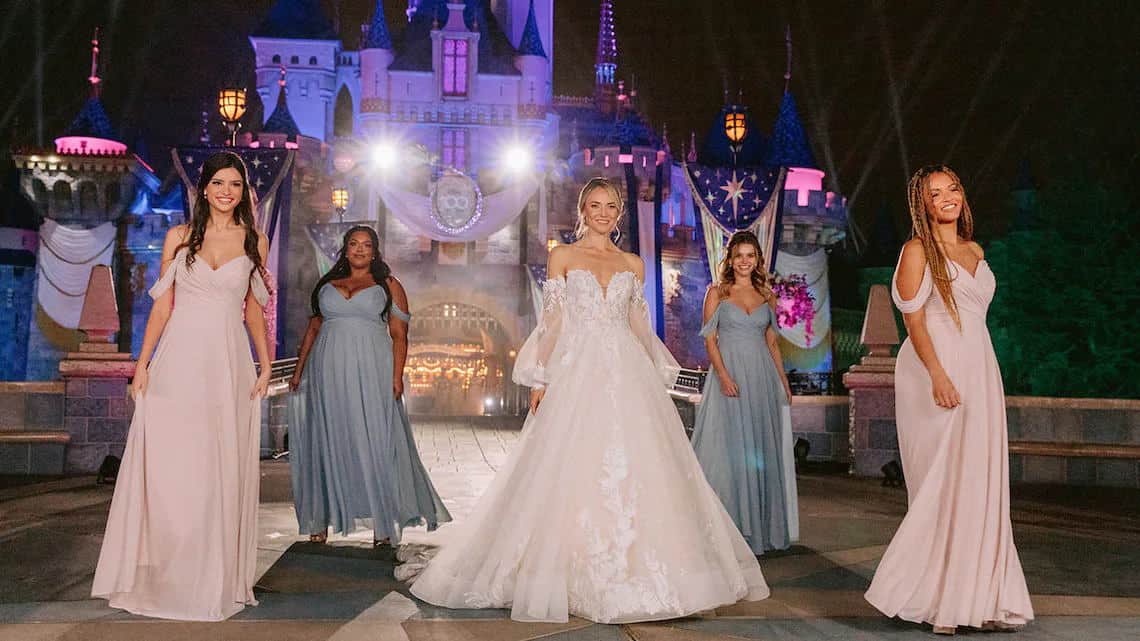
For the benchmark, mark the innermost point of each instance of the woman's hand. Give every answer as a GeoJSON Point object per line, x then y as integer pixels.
{"type": "Point", "coordinates": [138, 383]}
{"type": "Point", "coordinates": [728, 386]}
{"type": "Point", "coordinates": [536, 395]}
{"type": "Point", "coordinates": [788, 391]}
{"type": "Point", "coordinates": [398, 387]}
{"type": "Point", "coordinates": [295, 381]}
{"type": "Point", "coordinates": [261, 388]}
{"type": "Point", "coordinates": [945, 394]}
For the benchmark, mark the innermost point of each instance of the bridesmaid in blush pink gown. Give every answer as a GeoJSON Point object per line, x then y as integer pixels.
{"type": "Point", "coordinates": [952, 562]}
{"type": "Point", "coordinates": [181, 538]}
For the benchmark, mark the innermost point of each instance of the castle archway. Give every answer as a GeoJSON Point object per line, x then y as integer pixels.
{"type": "Point", "coordinates": [461, 353]}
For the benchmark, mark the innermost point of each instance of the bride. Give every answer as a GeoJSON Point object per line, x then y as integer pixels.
{"type": "Point", "coordinates": [601, 510]}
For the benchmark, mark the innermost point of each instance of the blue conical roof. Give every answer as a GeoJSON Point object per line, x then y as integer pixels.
{"type": "Point", "coordinates": [92, 121]}
{"type": "Point", "coordinates": [531, 42]}
{"type": "Point", "coordinates": [298, 20]}
{"type": "Point", "coordinates": [281, 121]}
{"type": "Point", "coordinates": [378, 36]}
{"type": "Point", "coordinates": [789, 144]}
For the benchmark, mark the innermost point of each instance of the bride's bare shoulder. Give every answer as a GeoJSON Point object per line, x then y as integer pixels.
{"type": "Point", "coordinates": [558, 261]}
{"type": "Point", "coordinates": [634, 263]}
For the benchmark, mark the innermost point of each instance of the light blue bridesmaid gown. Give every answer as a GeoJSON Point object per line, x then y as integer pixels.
{"type": "Point", "coordinates": [744, 444]}
{"type": "Point", "coordinates": [352, 455]}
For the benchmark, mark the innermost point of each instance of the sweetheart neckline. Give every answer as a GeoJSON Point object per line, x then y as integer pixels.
{"type": "Point", "coordinates": [605, 288]}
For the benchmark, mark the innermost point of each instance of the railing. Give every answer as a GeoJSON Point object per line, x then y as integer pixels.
{"type": "Point", "coordinates": [280, 374]}
{"type": "Point", "coordinates": [688, 385]}
{"type": "Point", "coordinates": [811, 383]}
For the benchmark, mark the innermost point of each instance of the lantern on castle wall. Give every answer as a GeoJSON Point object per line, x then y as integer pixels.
{"type": "Point", "coordinates": [231, 106]}
{"type": "Point", "coordinates": [734, 125]}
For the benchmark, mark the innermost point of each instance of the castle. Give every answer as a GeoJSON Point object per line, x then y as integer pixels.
{"type": "Point", "coordinates": [453, 145]}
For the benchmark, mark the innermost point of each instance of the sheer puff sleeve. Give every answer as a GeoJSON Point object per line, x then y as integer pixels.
{"type": "Point", "coordinates": [534, 355]}
{"type": "Point", "coordinates": [667, 366]}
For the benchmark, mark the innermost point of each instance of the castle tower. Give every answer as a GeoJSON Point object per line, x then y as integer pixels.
{"type": "Point", "coordinates": [533, 64]}
{"type": "Point", "coordinates": [298, 35]}
{"type": "Point", "coordinates": [605, 63]}
{"type": "Point", "coordinates": [376, 54]}
{"type": "Point", "coordinates": [82, 187]}
{"type": "Point", "coordinates": [455, 53]}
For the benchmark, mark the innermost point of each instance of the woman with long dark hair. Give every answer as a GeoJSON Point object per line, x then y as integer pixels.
{"type": "Point", "coordinates": [181, 538]}
{"type": "Point", "coordinates": [743, 431]}
{"type": "Point", "coordinates": [952, 561]}
{"type": "Point", "coordinates": [353, 459]}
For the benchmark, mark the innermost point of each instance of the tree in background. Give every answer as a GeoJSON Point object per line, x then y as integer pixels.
{"type": "Point", "coordinates": [1065, 319]}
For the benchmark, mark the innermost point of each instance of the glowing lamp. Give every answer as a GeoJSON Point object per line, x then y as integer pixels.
{"type": "Point", "coordinates": [340, 201]}
{"type": "Point", "coordinates": [231, 106]}
{"type": "Point", "coordinates": [734, 126]}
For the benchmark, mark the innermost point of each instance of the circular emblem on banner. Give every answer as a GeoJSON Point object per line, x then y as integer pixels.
{"type": "Point", "coordinates": [457, 202]}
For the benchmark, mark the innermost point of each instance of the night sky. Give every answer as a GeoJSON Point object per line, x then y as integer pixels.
{"type": "Point", "coordinates": [882, 87]}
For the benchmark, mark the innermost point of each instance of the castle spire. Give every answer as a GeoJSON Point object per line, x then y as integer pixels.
{"type": "Point", "coordinates": [789, 146]}
{"type": "Point", "coordinates": [788, 65]}
{"type": "Point", "coordinates": [281, 121]}
{"type": "Point", "coordinates": [605, 64]}
{"type": "Point", "coordinates": [531, 42]}
{"type": "Point", "coordinates": [94, 78]}
{"type": "Point", "coordinates": [378, 36]}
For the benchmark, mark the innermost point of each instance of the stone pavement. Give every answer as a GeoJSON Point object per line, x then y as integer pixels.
{"type": "Point", "coordinates": [1078, 546]}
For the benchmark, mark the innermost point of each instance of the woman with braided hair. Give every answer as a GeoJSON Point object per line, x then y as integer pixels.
{"type": "Point", "coordinates": [952, 561]}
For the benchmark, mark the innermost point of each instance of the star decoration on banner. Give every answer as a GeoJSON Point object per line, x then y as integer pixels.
{"type": "Point", "coordinates": [734, 197]}
{"type": "Point", "coordinates": [263, 165]}
{"type": "Point", "coordinates": [734, 190]}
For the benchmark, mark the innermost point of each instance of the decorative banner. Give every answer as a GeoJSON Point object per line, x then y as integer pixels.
{"type": "Point", "coordinates": [457, 202]}
{"type": "Point", "coordinates": [735, 198]}
{"type": "Point", "coordinates": [327, 239]}
{"type": "Point", "coordinates": [537, 275]}
{"type": "Point", "coordinates": [269, 173]}
{"type": "Point", "coordinates": [765, 222]}
{"type": "Point", "coordinates": [460, 220]}
{"type": "Point", "coordinates": [814, 269]}
{"type": "Point", "coordinates": [65, 259]}
{"type": "Point", "coordinates": [646, 232]}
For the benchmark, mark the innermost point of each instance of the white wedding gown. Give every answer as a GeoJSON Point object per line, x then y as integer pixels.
{"type": "Point", "coordinates": [602, 510]}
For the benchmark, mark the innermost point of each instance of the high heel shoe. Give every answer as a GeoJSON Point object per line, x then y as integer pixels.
{"type": "Point", "coordinates": [948, 630]}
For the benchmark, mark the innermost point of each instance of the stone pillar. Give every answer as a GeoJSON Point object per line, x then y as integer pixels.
{"type": "Point", "coordinates": [871, 389]}
{"type": "Point", "coordinates": [96, 407]}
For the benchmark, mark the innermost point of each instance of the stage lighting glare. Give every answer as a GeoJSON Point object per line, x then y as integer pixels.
{"type": "Point", "coordinates": [517, 158]}
{"type": "Point", "coordinates": [384, 155]}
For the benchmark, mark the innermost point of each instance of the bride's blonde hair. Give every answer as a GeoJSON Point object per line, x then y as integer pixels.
{"type": "Point", "coordinates": [591, 185]}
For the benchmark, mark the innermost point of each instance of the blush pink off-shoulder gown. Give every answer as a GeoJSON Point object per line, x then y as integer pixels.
{"type": "Point", "coordinates": [181, 538]}
{"type": "Point", "coordinates": [952, 561]}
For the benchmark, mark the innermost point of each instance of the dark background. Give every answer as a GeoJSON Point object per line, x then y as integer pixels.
{"type": "Point", "coordinates": [882, 87]}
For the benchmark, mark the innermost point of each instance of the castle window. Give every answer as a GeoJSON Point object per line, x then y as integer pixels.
{"type": "Point", "coordinates": [312, 60]}
{"type": "Point", "coordinates": [454, 148]}
{"type": "Point", "coordinates": [295, 60]}
{"type": "Point", "coordinates": [277, 59]}
{"type": "Point", "coordinates": [454, 67]}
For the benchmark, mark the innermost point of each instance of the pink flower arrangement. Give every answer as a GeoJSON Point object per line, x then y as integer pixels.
{"type": "Point", "coordinates": [794, 302]}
